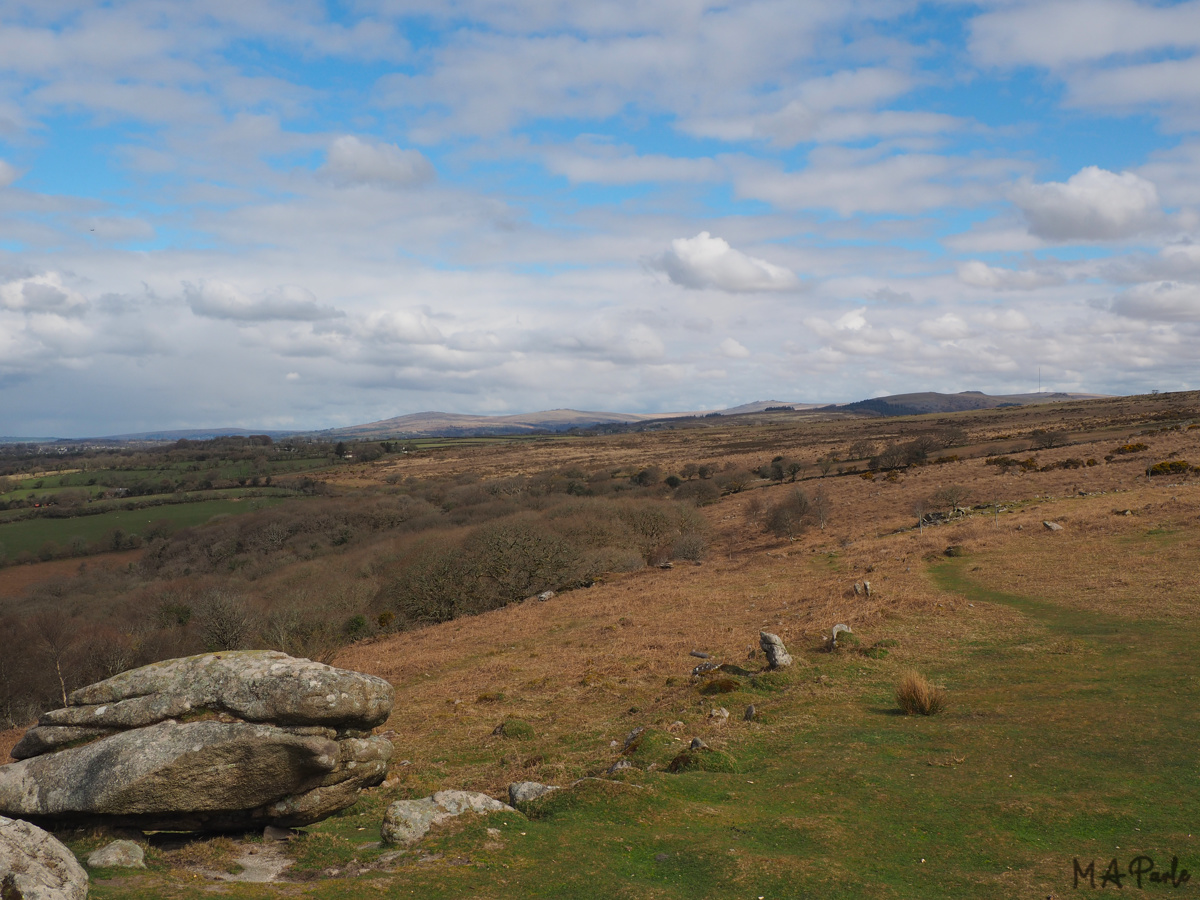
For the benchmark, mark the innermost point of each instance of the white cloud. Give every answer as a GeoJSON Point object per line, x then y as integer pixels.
{"type": "Point", "coordinates": [979, 274]}
{"type": "Point", "coordinates": [855, 320]}
{"type": "Point", "coordinates": [598, 163]}
{"type": "Point", "coordinates": [1093, 204]}
{"type": "Point", "coordinates": [8, 174]}
{"type": "Point", "coordinates": [1005, 320]}
{"type": "Point", "coordinates": [1163, 301]}
{"type": "Point", "coordinates": [950, 327]}
{"type": "Point", "coordinates": [709, 262]}
{"type": "Point", "coordinates": [852, 181]}
{"type": "Point", "coordinates": [1080, 31]}
{"type": "Point", "coordinates": [353, 161]}
{"type": "Point", "coordinates": [42, 294]}
{"type": "Point", "coordinates": [219, 300]}
{"type": "Point", "coordinates": [734, 350]}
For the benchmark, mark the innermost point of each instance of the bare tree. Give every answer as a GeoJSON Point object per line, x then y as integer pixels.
{"type": "Point", "coordinates": [58, 634]}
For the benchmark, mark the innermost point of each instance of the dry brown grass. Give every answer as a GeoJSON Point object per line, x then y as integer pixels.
{"type": "Point", "coordinates": [917, 697]}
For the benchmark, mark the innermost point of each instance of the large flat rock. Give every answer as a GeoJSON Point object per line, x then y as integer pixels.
{"type": "Point", "coordinates": [196, 776]}
{"type": "Point", "coordinates": [252, 685]}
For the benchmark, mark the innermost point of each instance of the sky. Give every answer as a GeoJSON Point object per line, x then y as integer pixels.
{"type": "Point", "coordinates": [295, 214]}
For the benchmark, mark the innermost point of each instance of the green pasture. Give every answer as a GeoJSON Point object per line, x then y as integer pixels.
{"type": "Point", "coordinates": [31, 534]}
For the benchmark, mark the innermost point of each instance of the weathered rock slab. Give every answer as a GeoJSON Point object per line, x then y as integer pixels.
{"type": "Point", "coordinates": [251, 685]}
{"type": "Point", "coordinates": [195, 776]}
{"type": "Point", "coordinates": [118, 854]}
{"type": "Point", "coordinates": [407, 821]}
{"type": "Point", "coordinates": [34, 865]}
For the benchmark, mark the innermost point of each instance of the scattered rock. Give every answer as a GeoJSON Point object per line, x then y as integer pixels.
{"type": "Point", "coordinates": [833, 637]}
{"type": "Point", "coordinates": [281, 741]}
{"type": "Point", "coordinates": [772, 646]}
{"type": "Point", "coordinates": [700, 654]}
{"type": "Point", "coordinates": [867, 588]}
{"type": "Point", "coordinates": [545, 595]}
{"type": "Point", "coordinates": [407, 821]}
{"type": "Point", "coordinates": [619, 765]}
{"type": "Point", "coordinates": [719, 715]}
{"type": "Point", "coordinates": [633, 739]}
{"type": "Point", "coordinates": [703, 668]}
{"type": "Point", "coordinates": [525, 791]}
{"type": "Point", "coordinates": [118, 854]}
{"type": "Point", "coordinates": [274, 834]}
{"type": "Point", "coordinates": [697, 744]}
{"type": "Point", "coordinates": [748, 715]}
{"type": "Point", "coordinates": [34, 865]}
{"type": "Point", "coordinates": [1052, 526]}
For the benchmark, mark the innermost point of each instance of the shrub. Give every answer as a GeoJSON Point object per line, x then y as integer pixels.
{"type": "Point", "coordinates": [1132, 448]}
{"type": "Point", "coordinates": [689, 546]}
{"type": "Point", "coordinates": [1170, 467]}
{"type": "Point", "coordinates": [916, 696]}
{"type": "Point", "coordinates": [789, 517]}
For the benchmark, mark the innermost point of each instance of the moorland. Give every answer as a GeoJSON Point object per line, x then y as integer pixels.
{"type": "Point", "coordinates": [1065, 655]}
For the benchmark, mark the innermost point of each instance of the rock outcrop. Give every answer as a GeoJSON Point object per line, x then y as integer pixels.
{"type": "Point", "coordinates": [34, 865]}
{"type": "Point", "coordinates": [271, 740]}
{"type": "Point", "coordinates": [407, 821]}
{"type": "Point", "coordinates": [118, 855]}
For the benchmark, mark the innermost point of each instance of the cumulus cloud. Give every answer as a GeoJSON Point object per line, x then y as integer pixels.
{"type": "Point", "coordinates": [1175, 262]}
{"type": "Point", "coordinates": [7, 174]}
{"type": "Point", "coordinates": [218, 300]}
{"type": "Point", "coordinates": [1163, 301]}
{"type": "Point", "coordinates": [1093, 205]}
{"type": "Point", "coordinates": [352, 161]}
{"type": "Point", "coordinates": [733, 349]}
{"type": "Point", "coordinates": [949, 327]}
{"type": "Point", "coordinates": [42, 294]}
{"type": "Point", "coordinates": [709, 262]}
{"type": "Point", "coordinates": [979, 274]}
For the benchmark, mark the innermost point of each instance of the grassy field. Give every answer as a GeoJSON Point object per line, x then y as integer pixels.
{"type": "Point", "coordinates": [1066, 657]}
{"type": "Point", "coordinates": [30, 534]}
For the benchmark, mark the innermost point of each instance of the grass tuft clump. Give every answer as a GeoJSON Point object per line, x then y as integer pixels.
{"type": "Point", "coordinates": [916, 696]}
{"type": "Point", "coordinates": [515, 729]}
{"type": "Point", "coordinates": [724, 685]}
{"type": "Point", "coordinates": [703, 761]}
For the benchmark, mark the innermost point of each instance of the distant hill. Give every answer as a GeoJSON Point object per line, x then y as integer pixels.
{"type": "Point", "coordinates": [440, 424]}
{"type": "Point", "coordinates": [933, 402]}
{"type": "Point", "coordinates": [194, 434]}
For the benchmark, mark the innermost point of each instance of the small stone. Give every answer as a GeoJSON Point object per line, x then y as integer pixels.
{"type": "Point", "coordinates": [273, 833]}
{"type": "Point", "coordinates": [524, 791]}
{"type": "Point", "coordinates": [697, 744]}
{"type": "Point", "coordinates": [633, 739]}
{"type": "Point", "coordinates": [1052, 526]}
{"type": "Point", "coordinates": [867, 588]}
{"type": "Point", "coordinates": [749, 714]}
{"type": "Point", "coordinates": [619, 766]}
{"type": "Point", "coordinates": [700, 654]}
{"type": "Point", "coordinates": [118, 854]}
{"type": "Point", "coordinates": [545, 595]}
{"type": "Point", "coordinates": [721, 714]}
{"type": "Point", "coordinates": [772, 646]}
{"type": "Point", "coordinates": [704, 668]}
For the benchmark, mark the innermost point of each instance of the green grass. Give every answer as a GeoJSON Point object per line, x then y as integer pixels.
{"type": "Point", "coordinates": [1068, 735]}
{"type": "Point", "coordinates": [30, 534]}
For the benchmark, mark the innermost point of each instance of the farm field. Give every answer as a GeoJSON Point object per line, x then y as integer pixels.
{"type": "Point", "coordinates": [119, 525]}
{"type": "Point", "coordinates": [1072, 695]}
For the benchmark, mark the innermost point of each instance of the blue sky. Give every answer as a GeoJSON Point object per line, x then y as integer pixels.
{"type": "Point", "coordinates": [306, 214]}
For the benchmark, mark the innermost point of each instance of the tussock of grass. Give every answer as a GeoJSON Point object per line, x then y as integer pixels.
{"type": "Point", "coordinates": [916, 696]}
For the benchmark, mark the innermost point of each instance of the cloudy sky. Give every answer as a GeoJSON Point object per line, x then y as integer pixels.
{"type": "Point", "coordinates": [310, 213]}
